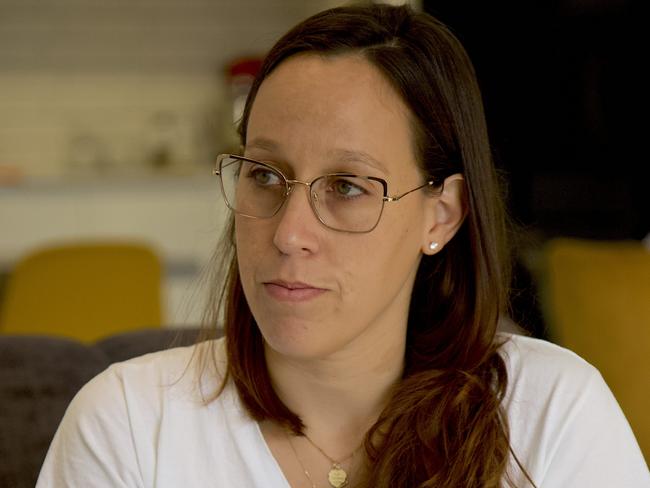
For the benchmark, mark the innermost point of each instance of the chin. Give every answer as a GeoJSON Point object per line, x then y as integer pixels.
{"type": "Point", "coordinates": [294, 339]}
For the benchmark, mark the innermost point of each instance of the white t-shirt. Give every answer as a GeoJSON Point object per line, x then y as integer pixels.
{"type": "Point", "coordinates": [136, 425]}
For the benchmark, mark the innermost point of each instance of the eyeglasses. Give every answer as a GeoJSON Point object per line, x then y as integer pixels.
{"type": "Point", "coordinates": [341, 201]}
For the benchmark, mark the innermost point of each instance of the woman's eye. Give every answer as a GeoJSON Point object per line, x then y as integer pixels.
{"type": "Point", "coordinates": [347, 189]}
{"type": "Point", "coordinates": [264, 176]}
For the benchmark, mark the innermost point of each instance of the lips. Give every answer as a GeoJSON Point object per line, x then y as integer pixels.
{"type": "Point", "coordinates": [295, 291]}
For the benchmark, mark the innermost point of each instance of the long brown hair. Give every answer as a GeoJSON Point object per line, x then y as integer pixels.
{"type": "Point", "coordinates": [444, 425]}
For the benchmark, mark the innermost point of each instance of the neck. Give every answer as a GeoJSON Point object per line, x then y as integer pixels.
{"type": "Point", "coordinates": [338, 397]}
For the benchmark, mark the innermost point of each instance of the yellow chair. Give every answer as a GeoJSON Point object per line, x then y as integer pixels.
{"type": "Point", "coordinates": [596, 298]}
{"type": "Point", "coordinates": [83, 291]}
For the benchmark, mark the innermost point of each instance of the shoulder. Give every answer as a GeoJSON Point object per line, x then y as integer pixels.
{"type": "Point", "coordinates": [172, 359]}
{"type": "Point", "coordinates": [206, 357]}
{"type": "Point", "coordinates": [565, 425]}
{"type": "Point", "coordinates": [545, 364]}
{"type": "Point", "coordinates": [546, 383]}
{"type": "Point", "coordinates": [134, 413]}
{"type": "Point", "coordinates": [183, 374]}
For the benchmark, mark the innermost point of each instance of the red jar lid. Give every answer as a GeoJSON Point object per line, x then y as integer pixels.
{"type": "Point", "coordinates": [244, 67]}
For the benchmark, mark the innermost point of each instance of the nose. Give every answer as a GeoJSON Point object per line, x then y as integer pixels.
{"type": "Point", "coordinates": [298, 229]}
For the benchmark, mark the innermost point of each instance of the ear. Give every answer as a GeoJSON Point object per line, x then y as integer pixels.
{"type": "Point", "coordinates": [445, 214]}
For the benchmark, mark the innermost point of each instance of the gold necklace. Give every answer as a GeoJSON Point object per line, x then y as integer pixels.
{"type": "Point", "coordinates": [337, 476]}
{"type": "Point", "coordinates": [304, 470]}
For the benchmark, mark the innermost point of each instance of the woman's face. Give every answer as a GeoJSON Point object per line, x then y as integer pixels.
{"type": "Point", "coordinates": [313, 291]}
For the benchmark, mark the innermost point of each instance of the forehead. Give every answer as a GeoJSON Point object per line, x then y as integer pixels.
{"type": "Point", "coordinates": [314, 106]}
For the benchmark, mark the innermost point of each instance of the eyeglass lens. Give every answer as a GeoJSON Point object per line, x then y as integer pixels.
{"type": "Point", "coordinates": [340, 201]}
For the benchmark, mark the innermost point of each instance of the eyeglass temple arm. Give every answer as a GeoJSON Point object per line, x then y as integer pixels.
{"type": "Point", "coordinates": [397, 197]}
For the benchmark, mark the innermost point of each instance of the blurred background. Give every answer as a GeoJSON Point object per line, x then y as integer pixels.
{"type": "Point", "coordinates": [112, 113]}
{"type": "Point", "coordinates": [562, 86]}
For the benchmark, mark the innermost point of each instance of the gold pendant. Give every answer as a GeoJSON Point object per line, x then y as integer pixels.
{"type": "Point", "coordinates": [337, 477]}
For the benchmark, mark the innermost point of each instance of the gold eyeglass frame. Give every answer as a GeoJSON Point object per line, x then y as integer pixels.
{"type": "Point", "coordinates": [290, 183]}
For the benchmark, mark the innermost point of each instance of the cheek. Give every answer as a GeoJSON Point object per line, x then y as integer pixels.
{"type": "Point", "coordinates": [379, 266]}
{"type": "Point", "coordinates": [249, 240]}
{"type": "Point", "coordinates": [397, 255]}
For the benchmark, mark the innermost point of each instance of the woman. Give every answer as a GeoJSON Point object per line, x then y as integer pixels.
{"type": "Point", "coordinates": [361, 344]}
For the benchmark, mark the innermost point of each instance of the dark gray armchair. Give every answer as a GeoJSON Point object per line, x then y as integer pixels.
{"type": "Point", "coordinates": [39, 375]}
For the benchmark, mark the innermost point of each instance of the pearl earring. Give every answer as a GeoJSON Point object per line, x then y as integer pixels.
{"type": "Point", "coordinates": [433, 246]}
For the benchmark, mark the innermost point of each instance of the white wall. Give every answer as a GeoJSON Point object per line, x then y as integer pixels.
{"type": "Point", "coordinates": [88, 76]}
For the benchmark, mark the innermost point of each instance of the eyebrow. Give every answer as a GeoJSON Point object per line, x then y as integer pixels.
{"type": "Point", "coordinates": [340, 155]}
{"type": "Point", "coordinates": [353, 156]}
{"type": "Point", "coordinates": [262, 143]}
